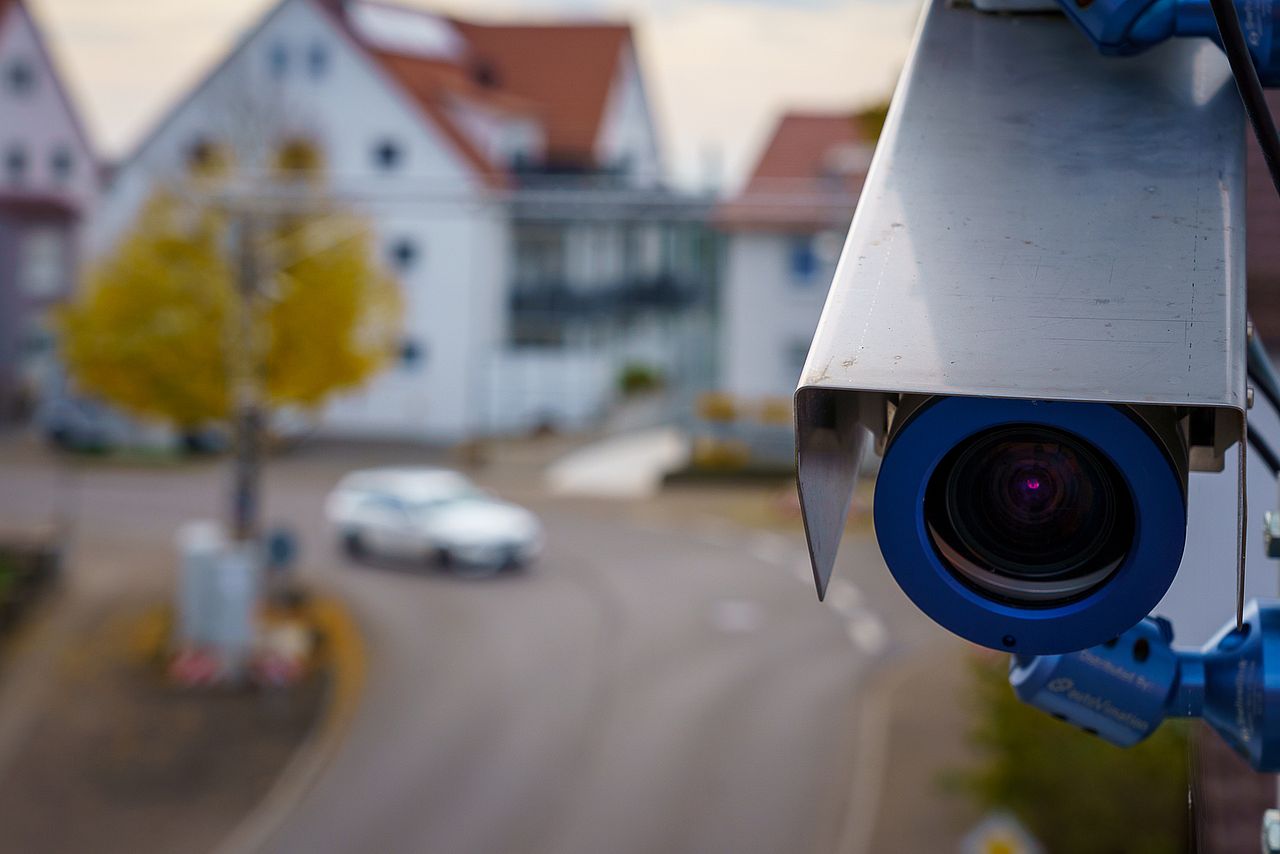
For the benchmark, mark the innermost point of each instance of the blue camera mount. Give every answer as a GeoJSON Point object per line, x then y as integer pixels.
{"type": "Point", "coordinates": [1123, 689]}
{"type": "Point", "coordinates": [1123, 27]}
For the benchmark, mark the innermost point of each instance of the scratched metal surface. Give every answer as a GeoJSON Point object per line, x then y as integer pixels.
{"type": "Point", "coordinates": [1043, 221]}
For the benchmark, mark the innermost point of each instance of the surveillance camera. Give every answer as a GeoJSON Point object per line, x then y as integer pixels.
{"type": "Point", "coordinates": [1039, 324]}
{"type": "Point", "coordinates": [1017, 523]}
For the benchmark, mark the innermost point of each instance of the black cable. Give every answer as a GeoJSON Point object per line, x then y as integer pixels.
{"type": "Point", "coordinates": [1264, 451]}
{"type": "Point", "coordinates": [1246, 75]}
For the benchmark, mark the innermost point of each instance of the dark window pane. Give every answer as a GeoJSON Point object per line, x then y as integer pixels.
{"type": "Point", "coordinates": [15, 163]}
{"type": "Point", "coordinates": [411, 353]}
{"type": "Point", "coordinates": [299, 157]}
{"type": "Point", "coordinates": [61, 163]}
{"type": "Point", "coordinates": [804, 260]}
{"type": "Point", "coordinates": [486, 74]}
{"type": "Point", "coordinates": [20, 77]}
{"type": "Point", "coordinates": [387, 154]}
{"type": "Point", "coordinates": [207, 158]}
{"type": "Point", "coordinates": [404, 253]}
{"type": "Point", "coordinates": [318, 60]}
{"type": "Point", "coordinates": [278, 60]}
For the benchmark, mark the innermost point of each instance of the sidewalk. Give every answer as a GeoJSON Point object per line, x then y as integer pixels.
{"type": "Point", "coordinates": [101, 753]}
{"type": "Point", "coordinates": [921, 708]}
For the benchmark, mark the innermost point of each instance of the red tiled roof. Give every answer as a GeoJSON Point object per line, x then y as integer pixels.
{"type": "Point", "coordinates": [561, 74]}
{"type": "Point", "coordinates": [809, 175]}
{"type": "Point", "coordinates": [429, 83]}
{"type": "Point", "coordinates": [567, 70]}
{"type": "Point", "coordinates": [5, 5]}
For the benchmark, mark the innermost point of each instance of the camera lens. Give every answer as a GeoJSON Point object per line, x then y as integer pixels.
{"type": "Point", "coordinates": [1029, 515]}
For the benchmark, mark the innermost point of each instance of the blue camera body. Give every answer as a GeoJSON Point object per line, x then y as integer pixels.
{"type": "Point", "coordinates": [1157, 491]}
{"type": "Point", "coordinates": [1125, 27]}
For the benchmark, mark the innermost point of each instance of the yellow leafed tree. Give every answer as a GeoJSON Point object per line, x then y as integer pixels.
{"type": "Point", "coordinates": [155, 328]}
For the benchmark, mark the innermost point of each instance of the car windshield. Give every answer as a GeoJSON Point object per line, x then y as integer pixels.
{"type": "Point", "coordinates": [429, 504]}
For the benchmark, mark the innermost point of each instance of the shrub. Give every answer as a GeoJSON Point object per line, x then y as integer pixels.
{"type": "Point", "coordinates": [1074, 791]}
{"type": "Point", "coordinates": [776, 411]}
{"type": "Point", "coordinates": [637, 378]}
{"type": "Point", "coordinates": [715, 455]}
{"type": "Point", "coordinates": [717, 407]}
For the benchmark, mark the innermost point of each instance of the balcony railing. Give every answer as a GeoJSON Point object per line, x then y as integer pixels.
{"type": "Point", "coordinates": [658, 294]}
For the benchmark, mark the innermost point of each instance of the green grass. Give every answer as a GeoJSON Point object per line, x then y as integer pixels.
{"type": "Point", "coordinates": [1076, 793]}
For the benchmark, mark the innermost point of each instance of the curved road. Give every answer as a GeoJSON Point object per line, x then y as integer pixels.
{"type": "Point", "coordinates": [660, 681]}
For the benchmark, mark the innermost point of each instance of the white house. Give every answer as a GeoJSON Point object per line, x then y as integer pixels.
{"type": "Point", "coordinates": [48, 183]}
{"type": "Point", "coordinates": [511, 173]}
{"type": "Point", "coordinates": [786, 229]}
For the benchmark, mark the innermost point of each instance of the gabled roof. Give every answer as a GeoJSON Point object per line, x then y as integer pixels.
{"type": "Point", "coordinates": [567, 70]}
{"type": "Point", "coordinates": [429, 85]}
{"type": "Point", "coordinates": [809, 175]}
{"type": "Point", "coordinates": [59, 88]}
{"type": "Point", "coordinates": [802, 146]}
{"type": "Point", "coordinates": [559, 74]}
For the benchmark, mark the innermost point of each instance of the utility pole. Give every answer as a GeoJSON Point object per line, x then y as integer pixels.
{"type": "Point", "coordinates": [245, 358]}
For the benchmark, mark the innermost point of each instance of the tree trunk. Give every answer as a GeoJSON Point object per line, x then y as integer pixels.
{"type": "Point", "coordinates": [245, 521]}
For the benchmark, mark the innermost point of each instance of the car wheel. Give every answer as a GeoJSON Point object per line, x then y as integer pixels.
{"type": "Point", "coordinates": [466, 569]}
{"type": "Point", "coordinates": [353, 545]}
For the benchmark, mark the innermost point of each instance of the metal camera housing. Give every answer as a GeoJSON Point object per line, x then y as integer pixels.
{"type": "Point", "coordinates": [1045, 237]}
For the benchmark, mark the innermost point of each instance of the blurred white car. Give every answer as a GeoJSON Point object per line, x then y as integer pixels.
{"type": "Point", "coordinates": [437, 515]}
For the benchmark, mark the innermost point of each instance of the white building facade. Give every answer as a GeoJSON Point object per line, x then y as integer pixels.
{"type": "Point", "coordinates": [48, 185]}
{"type": "Point", "coordinates": [473, 159]}
{"type": "Point", "coordinates": [785, 232]}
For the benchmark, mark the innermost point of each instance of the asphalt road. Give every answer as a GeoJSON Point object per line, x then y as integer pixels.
{"type": "Point", "coordinates": [659, 681]}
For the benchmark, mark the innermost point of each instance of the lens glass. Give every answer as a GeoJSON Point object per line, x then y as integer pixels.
{"type": "Point", "coordinates": [1029, 514]}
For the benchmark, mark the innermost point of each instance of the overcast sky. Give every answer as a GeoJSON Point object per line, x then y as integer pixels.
{"type": "Point", "coordinates": [719, 71]}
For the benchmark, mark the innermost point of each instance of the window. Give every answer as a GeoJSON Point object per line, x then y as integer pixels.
{"type": "Point", "coordinates": [387, 155]}
{"type": "Point", "coordinates": [539, 256]}
{"type": "Point", "coordinates": [804, 260]}
{"type": "Point", "coordinates": [404, 252]}
{"type": "Point", "coordinates": [20, 77]}
{"type": "Point", "coordinates": [15, 163]}
{"type": "Point", "coordinates": [61, 163]}
{"type": "Point", "coordinates": [299, 157]}
{"type": "Point", "coordinates": [278, 61]}
{"type": "Point", "coordinates": [318, 60]}
{"type": "Point", "coordinates": [411, 354]}
{"type": "Point", "coordinates": [207, 158]}
{"type": "Point", "coordinates": [41, 271]}
{"type": "Point", "coordinates": [39, 340]}
{"type": "Point", "coordinates": [486, 75]}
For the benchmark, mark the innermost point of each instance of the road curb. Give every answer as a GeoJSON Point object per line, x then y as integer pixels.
{"type": "Point", "coordinates": [346, 648]}
{"type": "Point", "coordinates": [874, 724]}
